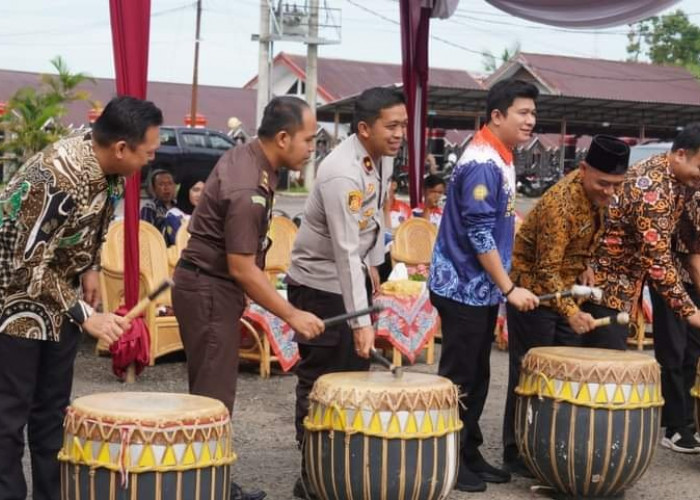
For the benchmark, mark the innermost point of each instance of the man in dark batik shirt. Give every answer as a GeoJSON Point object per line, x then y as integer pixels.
{"type": "Point", "coordinates": [637, 240]}
{"type": "Point", "coordinates": [54, 214]}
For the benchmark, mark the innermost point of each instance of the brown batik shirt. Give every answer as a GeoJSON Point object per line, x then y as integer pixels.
{"type": "Point", "coordinates": [637, 240]}
{"type": "Point", "coordinates": [54, 215]}
{"type": "Point", "coordinates": [554, 244]}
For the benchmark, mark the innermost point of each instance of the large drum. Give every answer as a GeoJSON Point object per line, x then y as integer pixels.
{"type": "Point", "coordinates": [150, 446]}
{"type": "Point", "coordinates": [587, 421]}
{"type": "Point", "coordinates": [695, 392]}
{"type": "Point", "coordinates": [372, 436]}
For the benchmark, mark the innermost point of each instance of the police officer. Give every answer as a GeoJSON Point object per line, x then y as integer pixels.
{"type": "Point", "coordinates": [225, 255]}
{"type": "Point", "coordinates": [341, 240]}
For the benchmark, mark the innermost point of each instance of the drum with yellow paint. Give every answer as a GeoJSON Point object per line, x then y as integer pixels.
{"type": "Point", "coordinates": [587, 421]}
{"type": "Point", "coordinates": [371, 436]}
{"type": "Point", "coordinates": [695, 392]}
{"type": "Point", "coordinates": [150, 446]}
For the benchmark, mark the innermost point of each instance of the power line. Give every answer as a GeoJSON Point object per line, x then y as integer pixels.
{"type": "Point", "coordinates": [434, 37]}
{"type": "Point", "coordinates": [94, 24]}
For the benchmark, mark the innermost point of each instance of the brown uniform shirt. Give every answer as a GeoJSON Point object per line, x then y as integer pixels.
{"type": "Point", "coordinates": [233, 214]}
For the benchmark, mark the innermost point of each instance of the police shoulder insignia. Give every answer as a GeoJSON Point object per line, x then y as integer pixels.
{"type": "Point", "coordinates": [354, 200]}
{"type": "Point", "coordinates": [265, 181]}
{"type": "Point", "coordinates": [367, 164]}
{"type": "Point", "coordinates": [480, 192]}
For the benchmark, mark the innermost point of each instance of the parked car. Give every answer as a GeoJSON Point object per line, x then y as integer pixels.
{"type": "Point", "coordinates": [644, 151]}
{"type": "Point", "coordinates": [186, 150]}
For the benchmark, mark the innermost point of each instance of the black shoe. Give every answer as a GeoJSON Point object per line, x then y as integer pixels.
{"type": "Point", "coordinates": [487, 472]}
{"type": "Point", "coordinates": [303, 491]}
{"type": "Point", "coordinates": [517, 467]}
{"type": "Point", "coordinates": [238, 493]}
{"type": "Point", "coordinates": [468, 481]}
{"type": "Point", "coordinates": [680, 440]}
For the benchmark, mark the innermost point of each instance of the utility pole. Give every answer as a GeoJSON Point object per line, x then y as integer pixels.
{"type": "Point", "coordinates": [263, 61]}
{"type": "Point", "coordinates": [195, 76]}
{"type": "Point", "coordinates": [311, 83]}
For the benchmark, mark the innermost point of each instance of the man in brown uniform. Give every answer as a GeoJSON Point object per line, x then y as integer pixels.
{"type": "Point", "coordinates": [225, 255]}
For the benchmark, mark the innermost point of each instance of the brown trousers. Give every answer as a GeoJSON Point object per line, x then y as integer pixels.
{"type": "Point", "coordinates": [209, 310]}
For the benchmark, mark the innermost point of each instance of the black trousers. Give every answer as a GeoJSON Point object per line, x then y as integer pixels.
{"type": "Point", "coordinates": [677, 348]}
{"type": "Point", "coordinates": [605, 337]}
{"type": "Point", "coordinates": [538, 328]}
{"type": "Point", "coordinates": [467, 335]}
{"type": "Point", "coordinates": [334, 352]}
{"type": "Point", "coordinates": [36, 378]}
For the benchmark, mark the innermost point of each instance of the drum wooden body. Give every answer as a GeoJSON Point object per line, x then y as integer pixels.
{"type": "Point", "coordinates": [695, 392]}
{"type": "Point", "coordinates": [371, 436]}
{"type": "Point", "coordinates": [588, 420]}
{"type": "Point", "coordinates": [150, 446]}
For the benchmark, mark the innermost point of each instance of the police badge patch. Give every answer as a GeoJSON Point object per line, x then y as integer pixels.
{"type": "Point", "coordinates": [354, 201]}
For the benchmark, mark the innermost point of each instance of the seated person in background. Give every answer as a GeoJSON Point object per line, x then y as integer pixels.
{"type": "Point", "coordinates": [187, 198]}
{"type": "Point", "coordinates": [433, 191]}
{"type": "Point", "coordinates": [395, 212]}
{"type": "Point", "coordinates": [163, 189]}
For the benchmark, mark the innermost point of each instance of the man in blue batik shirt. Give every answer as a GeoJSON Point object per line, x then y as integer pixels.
{"type": "Point", "coordinates": [471, 261]}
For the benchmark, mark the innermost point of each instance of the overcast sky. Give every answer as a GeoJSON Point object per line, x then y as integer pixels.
{"type": "Point", "coordinates": [34, 31]}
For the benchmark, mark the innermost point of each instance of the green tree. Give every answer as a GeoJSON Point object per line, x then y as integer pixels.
{"type": "Point", "coordinates": [491, 62]}
{"type": "Point", "coordinates": [33, 115]}
{"type": "Point", "coordinates": [669, 39]}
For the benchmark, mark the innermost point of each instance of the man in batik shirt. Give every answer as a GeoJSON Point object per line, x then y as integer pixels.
{"type": "Point", "coordinates": [54, 215]}
{"type": "Point", "coordinates": [551, 253]}
{"type": "Point", "coordinates": [676, 343]}
{"type": "Point", "coordinates": [469, 271]}
{"type": "Point", "coordinates": [636, 242]}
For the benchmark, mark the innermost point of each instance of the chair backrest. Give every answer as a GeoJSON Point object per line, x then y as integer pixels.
{"type": "Point", "coordinates": [282, 233]}
{"type": "Point", "coordinates": [413, 241]}
{"type": "Point", "coordinates": [182, 236]}
{"type": "Point", "coordinates": [153, 257]}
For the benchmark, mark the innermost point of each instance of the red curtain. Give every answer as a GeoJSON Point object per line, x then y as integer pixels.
{"type": "Point", "coordinates": [415, 28]}
{"type": "Point", "coordinates": [130, 21]}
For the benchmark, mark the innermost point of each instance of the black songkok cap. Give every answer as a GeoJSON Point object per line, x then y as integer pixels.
{"type": "Point", "coordinates": [608, 154]}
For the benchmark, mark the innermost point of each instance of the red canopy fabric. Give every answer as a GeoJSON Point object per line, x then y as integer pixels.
{"type": "Point", "coordinates": [415, 28]}
{"type": "Point", "coordinates": [130, 20]}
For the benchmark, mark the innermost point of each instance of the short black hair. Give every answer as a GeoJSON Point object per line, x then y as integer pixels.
{"type": "Point", "coordinates": [126, 118]}
{"type": "Point", "coordinates": [283, 113]}
{"type": "Point", "coordinates": [157, 173]}
{"type": "Point", "coordinates": [371, 102]}
{"type": "Point", "coordinates": [432, 181]}
{"type": "Point", "coordinates": [688, 138]}
{"type": "Point", "coordinates": [502, 95]}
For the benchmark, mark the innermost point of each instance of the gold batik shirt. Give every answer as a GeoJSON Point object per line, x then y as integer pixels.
{"type": "Point", "coordinates": [54, 215]}
{"type": "Point", "coordinates": [554, 244]}
{"type": "Point", "coordinates": [637, 240]}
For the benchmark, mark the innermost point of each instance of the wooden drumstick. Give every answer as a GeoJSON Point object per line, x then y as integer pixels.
{"type": "Point", "coordinates": [577, 292]}
{"type": "Point", "coordinates": [335, 320]}
{"type": "Point", "coordinates": [136, 311]}
{"type": "Point", "coordinates": [395, 370]}
{"type": "Point", "coordinates": [619, 319]}
{"type": "Point", "coordinates": [141, 306]}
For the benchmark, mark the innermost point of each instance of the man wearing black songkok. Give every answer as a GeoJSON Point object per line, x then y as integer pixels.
{"type": "Point", "coordinates": [551, 253]}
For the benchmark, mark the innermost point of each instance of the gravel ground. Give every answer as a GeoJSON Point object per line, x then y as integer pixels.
{"type": "Point", "coordinates": [264, 429]}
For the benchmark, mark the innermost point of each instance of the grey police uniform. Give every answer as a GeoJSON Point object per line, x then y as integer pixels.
{"type": "Point", "coordinates": [342, 233]}
{"type": "Point", "coordinates": [343, 228]}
